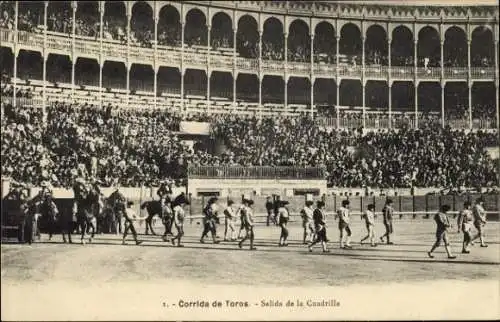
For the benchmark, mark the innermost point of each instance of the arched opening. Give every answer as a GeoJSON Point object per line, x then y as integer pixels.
{"type": "Point", "coordinates": [59, 69]}
{"type": "Point", "coordinates": [30, 15]}
{"type": "Point", "coordinates": [59, 16]}
{"type": "Point", "coordinates": [195, 83]}
{"type": "Point", "coordinates": [247, 88]}
{"type": "Point", "coordinates": [429, 48]}
{"type": "Point", "coordinates": [456, 101]}
{"type": "Point", "coordinates": [7, 61]}
{"type": "Point", "coordinates": [299, 42]}
{"type": "Point", "coordinates": [429, 98]}
{"type": "Point", "coordinates": [221, 85]}
{"type": "Point", "coordinates": [169, 27]}
{"type": "Point", "coordinates": [29, 65]}
{"type": "Point", "coordinates": [142, 78]}
{"type": "Point", "coordinates": [350, 45]}
{"type": "Point", "coordinates": [273, 89]}
{"type": "Point", "coordinates": [455, 48]}
{"type": "Point", "coordinates": [169, 81]}
{"type": "Point", "coordinates": [299, 90]}
{"type": "Point", "coordinates": [482, 48]}
{"type": "Point", "coordinates": [142, 25]}
{"type": "Point", "coordinates": [325, 44]}
{"type": "Point", "coordinates": [114, 75]}
{"type": "Point", "coordinates": [247, 37]}
{"type": "Point", "coordinates": [87, 72]}
{"type": "Point", "coordinates": [376, 46]}
{"type": "Point", "coordinates": [402, 47]}
{"type": "Point", "coordinates": [350, 93]}
{"type": "Point", "coordinates": [87, 18]}
{"type": "Point", "coordinates": [115, 21]}
{"type": "Point", "coordinates": [273, 40]}
{"type": "Point", "coordinates": [325, 92]}
{"type": "Point", "coordinates": [221, 34]}
{"type": "Point", "coordinates": [403, 97]}
{"type": "Point", "coordinates": [195, 32]}
{"type": "Point", "coordinates": [377, 95]}
{"type": "Point", "coordinates": [7, 11]}
{"type": "Point", "coordinates": [483, 100]}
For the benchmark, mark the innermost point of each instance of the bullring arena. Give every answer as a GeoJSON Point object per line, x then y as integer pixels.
{"type": "Point", "coordinates": [361, 101]}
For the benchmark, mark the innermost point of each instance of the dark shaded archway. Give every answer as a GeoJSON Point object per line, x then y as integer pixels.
{"type": "Point", "coordinates": [169, 27]}
{"type": "Point", "coordinates": [195, 31]}
{"type": "Point", "coordinates": [169, 81]}
{"type": "Point", "coordinates": [247, 37]}
{"type": "Point", "coordinates": [402, 47]}
{"type": "Point", "coordinates": [350, 93]}
{"type": "Point", "coordinates": [456, 102]}
{"type": "Point", "coordinates": [142, 24]}
{"type": "Point", "coordinates": [299, 42]}
{"type": "Point", "coordinates": [141, 78]}
{"type": "Point", "coordinates": [377, 94]}
{"type": "Point", "coordinates": [299, 90]}
{"type": "Point", "coordinates": [483, 100]}
{"type": "Point", "coordinates": [87, 18]}
{"type": "Point", "coordinates": [455, 48]}
{"type": "Point", "coordinates": [350, 44]}
{"type": "Point", "coordinates": [429, 47]}
{"type": "Point", "coordinates": [115, 20]}
{"type": "Point", "coordinates": [403, 96]}
{"type": "Point", "coordinates": [325, 44]}
{"type": "Point", "coordinates": [376, 46]}
{"type": "Point", "coordinates": [273, 89]}
{"type": "Point", "coordinates": [325, 92]}
{"type": "Point", "coordinates": [29, 65]}
{"type": "Point", "coordinates": [87, 72]}
{"type": "Point", "coordinates": [7, 61]}
{"type": "Point", "coordinates": [59, 69]}
{"type": "Point", "coordinates": [221, 33]}
{"type": "Point", "coordinates": [30, 15]}
{"type": "Point", "coordinates": [195, 83]}
{"type": "Point", "coordinates": [482, 48]}
{"type": "Point", "coordinates": [273, 40]}
{"type": "Point", "coordinates": [221, 85]}
{"type": "Point", "coordinates": [429, 97]}
{"type": "Point", "coordinates": [114, 75]}
{"type": "Point", "coordinates": [247, 87]}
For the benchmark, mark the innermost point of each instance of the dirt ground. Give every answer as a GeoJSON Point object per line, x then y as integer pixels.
{"type": "Point", "coordinates": [53, 270]}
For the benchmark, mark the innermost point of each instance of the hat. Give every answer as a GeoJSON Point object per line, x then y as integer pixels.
{"type": "Point", "coordinates": [345, 202]}
{"type": "Point", "coordinates": [445, 208]}
{"type": "Point", "coordinates": [320, 203]}
{"type": "Point", "coordinates": [480, 199]}
{"type": "Point", "coordinates": [388, 201]}
{"type": "Point", "coordinates": [467, 203]}
{"type": "Point", "coordinates": [371, 206]}
{"type": "Point", "coordinates": [309, 202]}
{"type": "Point", "coordinates": [230, 202]}
{"type": "Point", "coordinates": [283, 203]}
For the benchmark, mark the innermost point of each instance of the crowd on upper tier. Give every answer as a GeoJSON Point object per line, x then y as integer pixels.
{"type": "Point", "coordinates": [87, 23]}
{"type": "Point", "coordinates": [136, 148]}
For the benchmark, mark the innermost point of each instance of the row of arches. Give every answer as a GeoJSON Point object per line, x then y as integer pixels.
{"type": "Point", "coordinates": [247, 86]}
{"type": "Point", "coordinates": [377, 48]}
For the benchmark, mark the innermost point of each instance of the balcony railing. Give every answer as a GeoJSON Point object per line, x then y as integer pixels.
{"type": "Point", "coordinates": [197, 56]}
{"type": "Point", "coordinates": [255, 172]}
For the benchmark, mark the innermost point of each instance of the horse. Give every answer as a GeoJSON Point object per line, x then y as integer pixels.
{"type": "Point", "coordinates": [86, 201]}
{"type": "Point", "coordinates": [154, 208]}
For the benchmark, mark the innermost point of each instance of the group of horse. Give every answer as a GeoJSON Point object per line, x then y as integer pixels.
{"type": "Point", "coordinates": [91, 213]}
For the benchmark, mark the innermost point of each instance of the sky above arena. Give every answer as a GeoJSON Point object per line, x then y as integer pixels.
{"type": "Point", "coordinates": [428, 2]}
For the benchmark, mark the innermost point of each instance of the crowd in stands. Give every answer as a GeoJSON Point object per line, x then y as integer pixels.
{"type": "Point", "coordinates": [138, 147]}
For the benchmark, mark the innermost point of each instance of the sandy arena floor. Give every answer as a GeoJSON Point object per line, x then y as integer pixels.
{"type": "Point", "coordinates": [106, 280]}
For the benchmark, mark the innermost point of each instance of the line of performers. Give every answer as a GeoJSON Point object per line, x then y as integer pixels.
{"type": "Point", "coordinates": [315, 226]}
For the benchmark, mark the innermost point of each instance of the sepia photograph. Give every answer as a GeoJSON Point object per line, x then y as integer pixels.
{"type": "Point", "coordinates": [250, 160]}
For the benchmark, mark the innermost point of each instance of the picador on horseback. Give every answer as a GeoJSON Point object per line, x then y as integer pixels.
{"type": "Point", "coordinates": [86, 200]}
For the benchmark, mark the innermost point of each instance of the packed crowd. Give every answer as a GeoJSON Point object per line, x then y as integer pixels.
{"type": "Point", "coordinates": [136, 148]}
